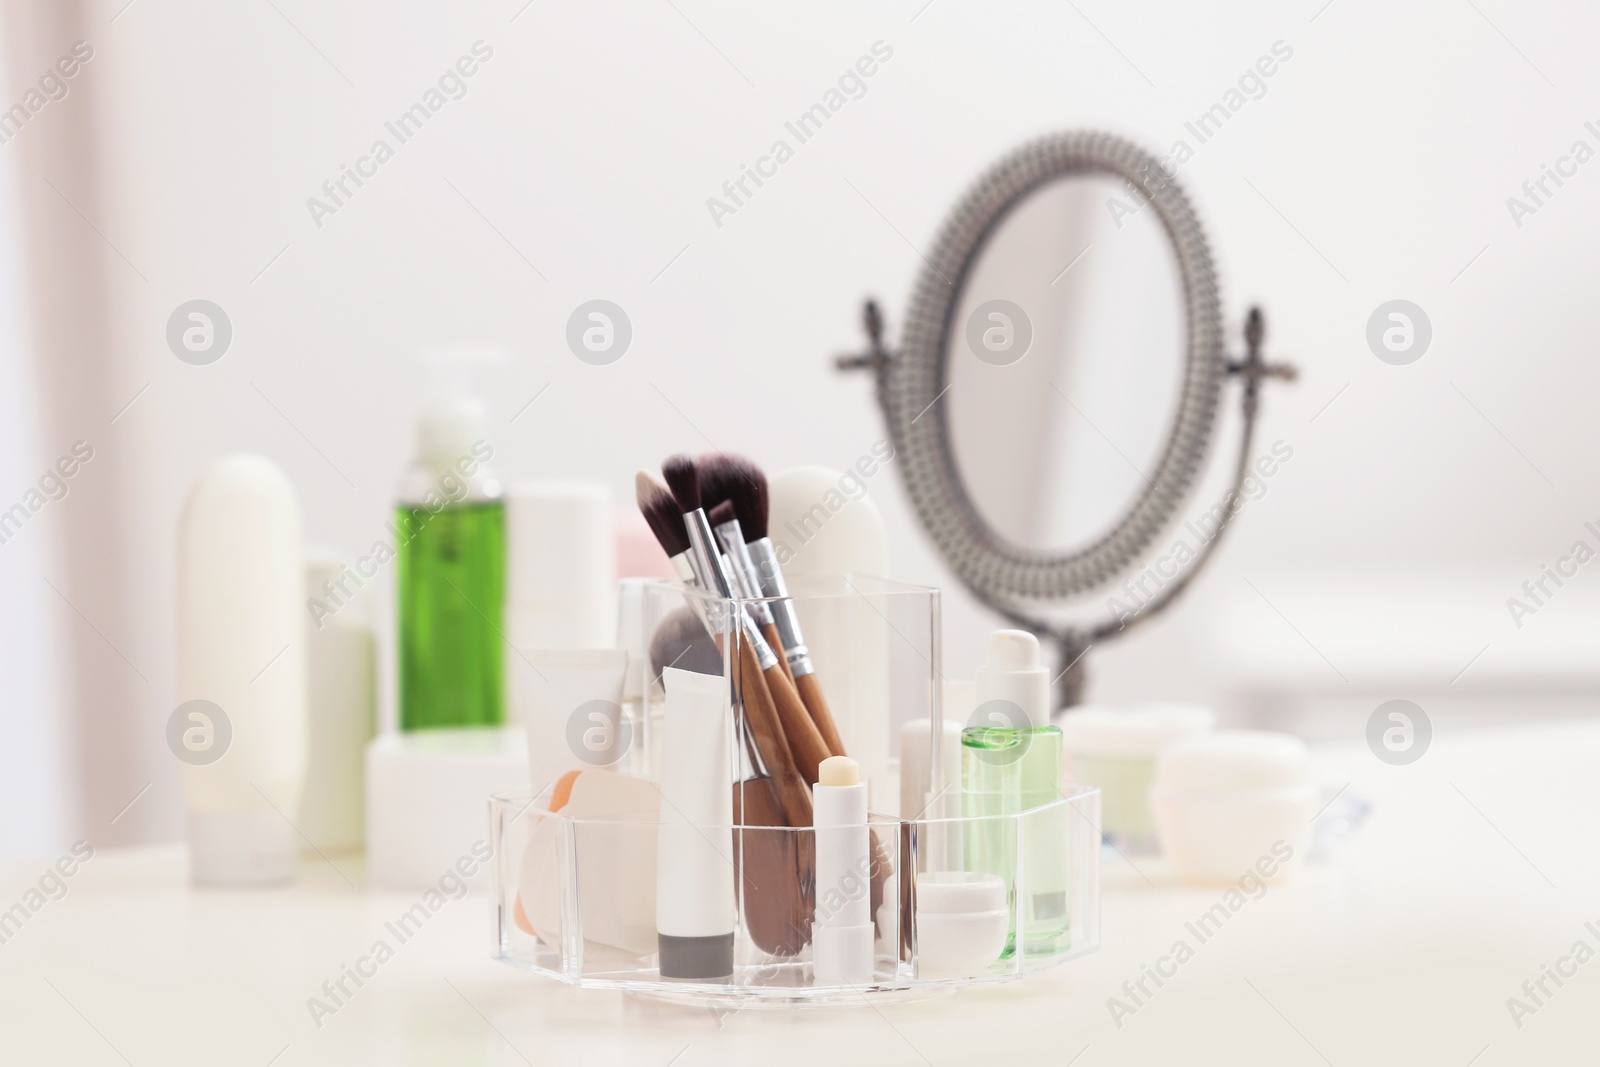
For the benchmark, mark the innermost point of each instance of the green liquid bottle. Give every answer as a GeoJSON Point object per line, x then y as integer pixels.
{"type": "Point", "coordinates": [991, 791]}
{"type": "Point", "coordinates": [1010, 779]}
{"type": "Point", "coordinates": [450, 571]}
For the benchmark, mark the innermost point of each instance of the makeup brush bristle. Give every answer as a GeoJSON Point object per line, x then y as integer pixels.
{"type": "Point", "coordinates": [684, 480]}
{"type": "Point", "coordinates": [714, 474]}
{"type": "Point", "coordinates": [662, 514]}
{"type": "Point", "coordinates": [731, 477]}
{"type": "Point", "coordinates": [722, 513]}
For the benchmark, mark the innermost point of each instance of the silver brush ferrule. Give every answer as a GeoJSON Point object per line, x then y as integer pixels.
{"type": "Point", "coordinates": [770, 576]}
{"type": "Point", "coordinates": [713, 611]}
{"type": "Point", "coordinates": [744, 570]}
{"type": "Point", "coordinates": [709, 565]}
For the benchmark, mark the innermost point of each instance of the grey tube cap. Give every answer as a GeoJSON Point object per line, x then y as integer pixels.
{"type": "Point", "coordinates": [696, 958]}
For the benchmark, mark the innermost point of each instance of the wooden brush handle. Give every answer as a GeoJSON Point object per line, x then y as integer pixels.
{"type": "Point", "coordinates": [810, 691]}
{"type": "Point", "coordinates": [907, 889]}
{"type": "Point", "coordinates": [805, 741]}
{"type": "Point", "coordinates": [767, 729]}
{"type": "Point", "coordinates": [770, 632]}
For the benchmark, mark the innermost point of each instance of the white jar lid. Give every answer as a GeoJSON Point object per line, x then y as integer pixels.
{"type": "Point", "coordinates": [1234, 761]}
{"type": "Point", "coordinates": [1139, 730]}
{"type": "Point", "coordinates": [959, 892]}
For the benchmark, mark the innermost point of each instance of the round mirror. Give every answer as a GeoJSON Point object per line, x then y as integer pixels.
{"type": "Point", "coordinates": [1058, 382]}
{"type": "Point", "coordinates": [1066, 372]}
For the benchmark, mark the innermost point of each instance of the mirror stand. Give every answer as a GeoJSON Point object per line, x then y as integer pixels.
{"type": "Point", "coordinates": [1073, 642]}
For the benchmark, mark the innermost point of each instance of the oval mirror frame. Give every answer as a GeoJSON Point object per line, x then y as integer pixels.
{"type": "Point", "coordinates": [1016, 582]}
{"type": "Point", "coordinates": [917, 378]}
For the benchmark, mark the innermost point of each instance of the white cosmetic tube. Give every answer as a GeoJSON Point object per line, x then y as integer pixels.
{"type": "Point", "coordinates": [695, 907]}
{"type": "Point", "coordinates": [841, 934]}
{"type": "Point", "coordinates": [240, 728]}
{"type": "Point", "coordinates": [571, 706]}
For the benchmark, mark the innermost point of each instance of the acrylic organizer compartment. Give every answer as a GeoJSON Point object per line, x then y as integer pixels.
{"type": "Point", "coordinates": [953, 893]}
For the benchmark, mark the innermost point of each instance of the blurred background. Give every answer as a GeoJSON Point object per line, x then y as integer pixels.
{"type": "Point", "coordinates": [178, 163]}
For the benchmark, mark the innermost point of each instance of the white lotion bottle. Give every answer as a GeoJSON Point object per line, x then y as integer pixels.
{"type": "Point", "coordinates": [240, 729]}
{"type": "Point", "coordinates": [842, 934]}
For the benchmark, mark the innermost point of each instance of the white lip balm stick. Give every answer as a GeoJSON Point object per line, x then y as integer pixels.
{"type": "Point", "coordinates": [240, 729]}
{"type": "Point", "coordinates": [841, 934]}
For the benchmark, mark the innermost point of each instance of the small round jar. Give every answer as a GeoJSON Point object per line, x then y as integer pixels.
{"type": "Point", "coordinates": [1115, 750]}
{"type": "Point", "coordinates": [962, 923]}
{"type": "Point", "coordinates": [1231, 803]}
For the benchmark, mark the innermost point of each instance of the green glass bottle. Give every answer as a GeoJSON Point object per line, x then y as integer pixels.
{"type": "Point", "coordinates": [449, 535]}
{"type": "Point", "coordinates": [1010, 779]}
{"type": "Point", "coordinates": [991, 796]}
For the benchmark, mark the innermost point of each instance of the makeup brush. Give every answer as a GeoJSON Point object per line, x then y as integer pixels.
{"type": "Point", "coordinates": [666, 521]}
{"type": "Point", "coordinates": [661, 514]}
{"type": "Point", "coordinates": [742, 484]}
{"type": "Point", "coordinates": [804, 740]}
{"type": "Point", "coordinates": [726, 526]}
{"type": "Point", "coordinates": [679, 535]}
{"type": "Point", "coordinates": [772, 873]}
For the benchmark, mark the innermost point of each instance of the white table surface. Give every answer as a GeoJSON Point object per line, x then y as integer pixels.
{"type": "Point", "coordinates": [1477, 866]}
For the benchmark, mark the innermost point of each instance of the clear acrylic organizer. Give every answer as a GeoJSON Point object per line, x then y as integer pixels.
{"type": "Point", "coordinates": [575, 897]}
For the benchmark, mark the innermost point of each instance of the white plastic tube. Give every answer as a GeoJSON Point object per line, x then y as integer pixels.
{"type": "Point", "coordinates": [240, 728]}
{"type": "Point", "coordinates": [841, 934]}
{"type": "Point", "coordinates": [694, 854]}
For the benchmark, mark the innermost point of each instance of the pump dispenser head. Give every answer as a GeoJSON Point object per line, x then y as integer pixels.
{"type": "Point", "coordinates": [1013, 671]}
{"type": "Point", "coordinates": [452, 417]}
{"type": "Point", "coordinates": [447, 427]}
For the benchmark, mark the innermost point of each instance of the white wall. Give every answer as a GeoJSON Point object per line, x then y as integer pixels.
{"type": "Point", "coordinates": [579, 163]}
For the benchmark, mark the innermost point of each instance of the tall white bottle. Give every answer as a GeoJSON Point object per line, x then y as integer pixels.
{"type": "Point", "coordinates": [823, 526]}
{"type": "Point", "coordinates": [240, 728]}
{"type": "Point", "coordinates": [341, 697]}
